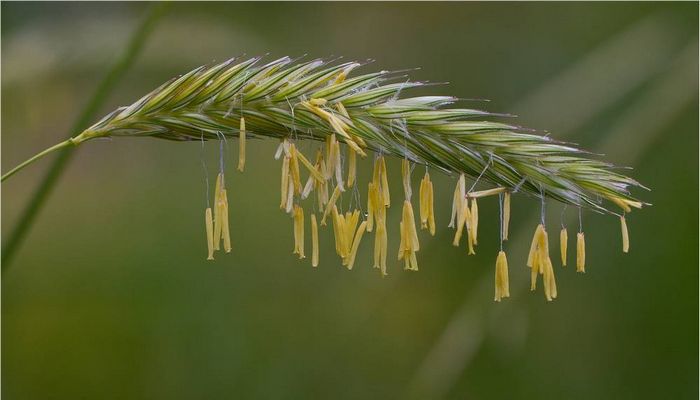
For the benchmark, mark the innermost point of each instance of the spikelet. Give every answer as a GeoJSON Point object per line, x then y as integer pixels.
{"type": "Point", "coordinates": [225, 234]}
{"type": "Point", "coordinates": [314, 241]}
{"type": "Point", "coordinates": [241, 145]}
{"type": "Point", "coordinates": [457, 200]}
{"type": "Point", "coordinates": [506, 214]}
{"type": "Point", "coordinates": [563, 239]}
{"type": "Point", "coordinates": [208, 221]}
{"type": "Point", "coordinates": [625, 235]}
{"type": "Point", "coordinates": [580, 252]}
{"type": "Point", "coordinates": [502, 285]}
{"type": "Point", "coordinates": [352, 166]}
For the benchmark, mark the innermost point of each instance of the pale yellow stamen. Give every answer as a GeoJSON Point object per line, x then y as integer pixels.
{"type": "Point", "coordinates": [306, 163]}
{"type": "Point", "coordinates": [423, 201]}
{"type": "Point", "coordinates": [385, 182]}
{"type": "Point", "coordinates": [625, 204]}
{"type": "Point", "coordinates": [580, 252]}
{"type": "Point", "coordinates": [502, 284]}
{"type": "Point", "coordinates": [294, 168]}
{"type": "Point", "coordinates": [549, 283]}
{"type": "Point", "coordinates": [563, 239]}
{"type": "Point", "coordinates": [409, 238]}
{"type": "Point", "coordinates": [284, 184]}
{"type": "Point", "coordinates": [431, 209]}
{"type": "Point", "coordinates": [380, 242]}
{"type": "Point", "coordinates": [356, 244]}
{"type": "Point", "coordinates": [241, 145]}
{"type": "Point", "coordinates": [625, 235]}
{"type": "Point", "coordinates": [299, 218]}
{"type": "Point", "coordinates": [351, 220]}
{"type": "Point", "coordinates": [330, 205]}
{"type": "Point", "coordinates": [474, 223]}
{"type": "Point", "coordinates": [533, 245]}
{"type": "Point", "coordinates": [336, 230]}
{"type": "Point", "coordinates": [330, 157]}
{"type": "Point", "coordinates": [534, 270]}
{"type": "Point", "coordinates": [506, 214]}
{"type": "Point", "coordinates": [224, 222]}
{"type": "Point", "coordinates": [371, 205]}
{"type": "Point", "coordinates": [218, 207]}
{"type": "Point", "coordinates": [290, 196]}
{"type": "Point", "coordinates": [352, 167]}
{"type": "Point", "coordinates": [485, 193]}
{"type": "Point", "coordinates": [338, 125]}
{"type": "Point", "coordinates": [338, 168]}
{"type": "Point", "coordinates": [463, 217]}
{"type": "Point", "coordinates": [457, 199]}
{"type": "Point", "coordinates": [208, 221]}
{"type": "Point", "coordinates": [314, 241]}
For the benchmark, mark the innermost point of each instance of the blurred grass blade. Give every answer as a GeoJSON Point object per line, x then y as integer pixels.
{"type": "Point", "coordinates": [136, 43]}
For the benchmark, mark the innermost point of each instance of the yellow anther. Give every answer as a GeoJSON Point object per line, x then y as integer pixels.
{"type": "Point", "coordinates": [241, 145]}
{"type": "Point", "coordinates": [580, 252]}
{"type": "Point", "coordinates": [502, 284]}
{"type": "Point", "coordinates": [208, 221]}
{"type": "Point", "coordinates": [331, 204]}
{"type": "Point", "coordinates": [314, 241]}
{"type": "Point", "coordinates": [356, 243]}
{"type": "Point", "coordinates": [625, 235]}
{"type": "Point", "coordinates": [352, 167]}
{"type": "Point", "coordinates": [457, 199]}
{"type": "Point", "coordinates": [563, 239]}
{"type": "Point", "coordinates": [226, 235]}
{"type": "Point", "coordinates": [506, 214]}
{"type": "Point", "coordinates": [484, 193]}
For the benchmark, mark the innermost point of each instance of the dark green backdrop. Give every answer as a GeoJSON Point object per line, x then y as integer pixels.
{"type": "Point", "coordinates": [110, 296]}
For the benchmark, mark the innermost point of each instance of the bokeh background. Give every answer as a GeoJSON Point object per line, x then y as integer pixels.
{"type": "Point", "coordinates": [110, 297]}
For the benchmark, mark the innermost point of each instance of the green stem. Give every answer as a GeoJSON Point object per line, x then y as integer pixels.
{"type": "Point", "coordinates": [65, 153]}
{"type": "Point", "coordinates": [37, 156]}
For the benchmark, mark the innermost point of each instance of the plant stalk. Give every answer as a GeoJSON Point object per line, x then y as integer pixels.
{"type": "Point", "coordinates": [37, 156]}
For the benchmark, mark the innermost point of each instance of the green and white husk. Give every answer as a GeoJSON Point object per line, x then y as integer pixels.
{"type": "Point", "coordinates": [208, 102]}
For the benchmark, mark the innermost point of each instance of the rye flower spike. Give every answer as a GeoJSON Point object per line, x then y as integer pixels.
{"type": "Point", "coordinates": [370, 113]}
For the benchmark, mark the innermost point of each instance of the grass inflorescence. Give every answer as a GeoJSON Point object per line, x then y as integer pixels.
{"type": "Point", "coordinates": [325, 101]}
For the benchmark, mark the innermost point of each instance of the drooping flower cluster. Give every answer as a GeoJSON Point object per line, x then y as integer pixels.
{"type": "Point", "coordinates": [321, 101]}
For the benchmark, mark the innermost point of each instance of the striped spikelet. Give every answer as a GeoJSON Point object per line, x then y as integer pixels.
{"type": "Point", "coordinates": [369, 113]}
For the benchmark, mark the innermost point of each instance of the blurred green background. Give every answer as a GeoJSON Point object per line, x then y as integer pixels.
{"type": "Point", "coordinates": [110, 295]}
